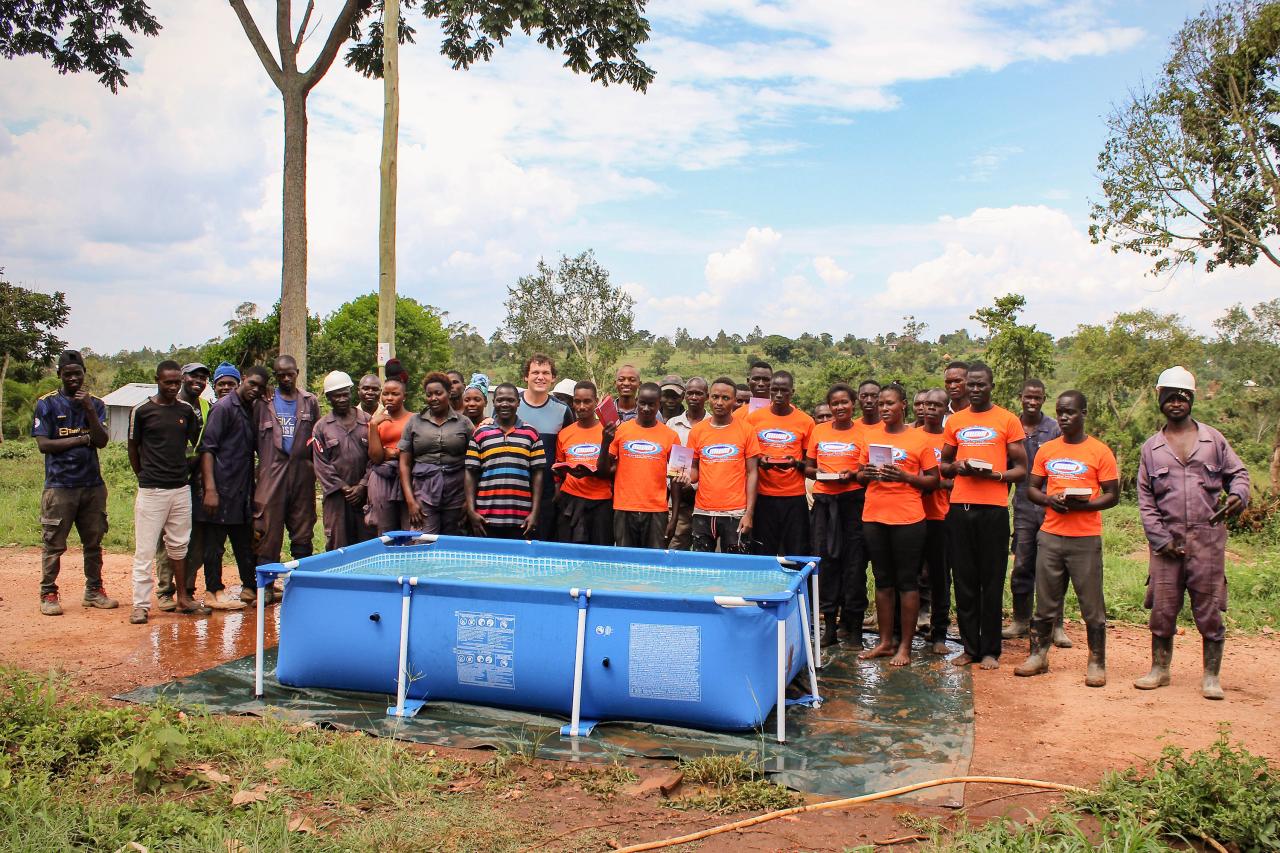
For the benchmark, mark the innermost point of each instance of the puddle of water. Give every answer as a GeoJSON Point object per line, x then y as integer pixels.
{"type": "Point", "coordinates": [193, 643]}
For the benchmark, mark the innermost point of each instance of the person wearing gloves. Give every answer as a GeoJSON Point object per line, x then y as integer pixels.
{"type": "Point", "coordinates": [1189, 481]}
{"type": "Point", "coordinates": [340, 454]}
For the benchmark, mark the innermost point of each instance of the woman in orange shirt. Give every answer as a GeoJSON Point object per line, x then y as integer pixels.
{"type": "Point", "coordinates": [893, 519]}
{"type": "Point", "coordinates": [386, 508]}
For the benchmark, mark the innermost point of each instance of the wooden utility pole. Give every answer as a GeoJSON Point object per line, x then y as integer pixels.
{"type": "Point", "coordinates": [387, 196]}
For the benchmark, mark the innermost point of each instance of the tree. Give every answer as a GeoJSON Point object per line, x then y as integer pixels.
{"type": "Point", "coordinates": [27, 333]}
{"type": "Point", "coordinates": [76, 35]}
{"type": "Point", "coordinates": [572, 311]}
{"type": "Point", "coordinates": [347, 339]}
{"type": "Point", "coordinates": [660, 356]}
{"type": "Point", "coordinates": [1191, 162]}
{"type": "Point", "coordinates": [1248, 349]}
{"type": "Point", "coordinates": [1013, 350]}
{"type": "Point", "coordinates": [778, 347]}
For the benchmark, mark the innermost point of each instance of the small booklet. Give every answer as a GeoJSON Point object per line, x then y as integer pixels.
{"type": "Point", "coordinates": [1078, 493]}
{"type": "Point", "coordinates": [680, 461]}
{"type": "Point", "coordinates": [828, 476]}
{"type": "Point", "coordinates": [980, 464]}
{"type": "Point", "coordinates": [880, 454]}
{"type": "Point", "coordinates": [757, 403]}
{"type": "Point", "coordinates": [567, 466]}
{"type": "Point", "coordinates": [607, 411]}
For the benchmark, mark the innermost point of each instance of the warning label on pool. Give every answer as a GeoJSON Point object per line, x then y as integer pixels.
{"type": "Point", "coordinates": [486, 649]}
{"type": "Point", "coordinates": [665, 662]}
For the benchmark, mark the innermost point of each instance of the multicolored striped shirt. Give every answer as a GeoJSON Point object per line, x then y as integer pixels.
{"type": "Point", "coordinates": [504, 463]}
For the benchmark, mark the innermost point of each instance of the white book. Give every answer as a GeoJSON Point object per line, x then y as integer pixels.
{"type": "Point", "coordinates": [880, 454]}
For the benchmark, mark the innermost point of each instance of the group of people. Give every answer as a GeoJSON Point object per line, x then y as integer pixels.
{"type": "Point", "coordinates": [917, 487]}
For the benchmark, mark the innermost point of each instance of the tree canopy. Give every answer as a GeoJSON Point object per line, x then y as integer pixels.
{"type": "Point", "coordinates": [76, 35]}
{"type": "Point", "coordinates": [27, 333]}
{"type": "Point", "coordinates": [1016, 352]}
{"type": "Point", "coordinates": [347, 339]}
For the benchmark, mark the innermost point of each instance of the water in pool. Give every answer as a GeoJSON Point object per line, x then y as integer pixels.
{"type": "Point", "coordinates": [562, 573]}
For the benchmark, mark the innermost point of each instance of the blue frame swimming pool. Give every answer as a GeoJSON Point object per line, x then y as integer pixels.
{"type": "Point", "coordinates": [702, 640]}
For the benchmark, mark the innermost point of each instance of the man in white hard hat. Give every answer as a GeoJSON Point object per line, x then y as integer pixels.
{"type": "Point", "coordinates": [340, 452]}
{"type": "Point", "coordinates": [1189, 480]}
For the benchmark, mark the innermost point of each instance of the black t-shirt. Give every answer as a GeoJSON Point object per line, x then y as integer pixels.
{"type": "Point", "coordinates": [163, 434]}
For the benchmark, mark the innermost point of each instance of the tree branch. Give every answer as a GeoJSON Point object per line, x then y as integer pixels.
{"type": "Point", "coordinates": [341, 32]}
{"type": "Point", "coordinates": [258, 42]}
{"type": "Point", "coordinates": [302, 28]}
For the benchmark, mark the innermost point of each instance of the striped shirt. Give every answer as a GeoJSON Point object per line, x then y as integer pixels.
{"type": "Point", "coordinates": [504, 463]}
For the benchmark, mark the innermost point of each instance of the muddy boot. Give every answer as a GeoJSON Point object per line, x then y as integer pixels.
{"type": "Point", "coordinates": [1096, 676]}
{"type": "Point", "coordinates": [1060, 638]}
{"type": "Point", "coordinates": [829, 637]}
{"type": "Point", "coordinates": [851, 627]}
{"type": "Point", "coordinates": [1038, 661]}
{"type": "Point", "coordinates": [1021, 622]}
{"type": "Point", "coordinates": [1161, 657]}
{"type": "Point", "coordinates": [1209, 686]}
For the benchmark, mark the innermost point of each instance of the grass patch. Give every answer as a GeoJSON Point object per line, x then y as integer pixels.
{"type": "Point", "coordinates": [76, 773]}
{"type": "Point", "coordinates": [730, 783]}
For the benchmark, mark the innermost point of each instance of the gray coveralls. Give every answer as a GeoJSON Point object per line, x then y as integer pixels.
{"type": "Point", "coordinates": [1176, 502]}
{"type": "Point", "coordinates": [341, 458]}
{"type": "Point", "coordinates": [284, 496]}
{"type": "Point", "coordinates": [1027, 517]}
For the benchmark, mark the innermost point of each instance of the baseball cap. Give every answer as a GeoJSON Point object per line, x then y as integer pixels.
{"type": "Point", "coordinates": [193, 367]}
{"type": "Point", "coordinates": [71, 356]}
{"type": "Point", "coordinates": [671, 380]}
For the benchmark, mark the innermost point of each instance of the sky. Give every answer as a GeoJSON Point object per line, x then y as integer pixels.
{"type": "Point", "coordinates": [800, 165]}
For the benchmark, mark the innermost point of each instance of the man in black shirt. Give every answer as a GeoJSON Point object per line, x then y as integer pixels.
{"type": "Point", "coordinates": [160, 430]}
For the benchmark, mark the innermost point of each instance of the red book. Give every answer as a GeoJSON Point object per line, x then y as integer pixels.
{"type": "Point", "coordinates": [607, 411]}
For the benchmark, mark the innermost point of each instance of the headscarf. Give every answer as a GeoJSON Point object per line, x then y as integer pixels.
{"type": "Point", "coordinates": [481, 383]}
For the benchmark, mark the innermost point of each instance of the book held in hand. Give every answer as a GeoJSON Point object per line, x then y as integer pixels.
{"type": "Point", "coordinates": [680, 461]}
{"type": "Point", "coordinates": [980, 465]}
{"type": "Point", "coordinates": [757, 403]}
{"type": "Point", "coordinates": [828, 477]}
{"type": "Point", "coordinates": [607, 411]}
{"type": "Point", "coordinates": [1078, 493]}
{"type": "Point", "coordinates": [880, 454]}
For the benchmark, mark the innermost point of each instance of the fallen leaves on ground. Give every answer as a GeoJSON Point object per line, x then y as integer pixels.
{"type": "Point", "coordinates": [299, 822]}
{"type": "Point", "coordinates": [250, 795]}
{"type": "Point", "coordinates": [209, 773]}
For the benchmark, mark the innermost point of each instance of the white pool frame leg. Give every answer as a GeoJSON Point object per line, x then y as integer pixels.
{"type": "Point", "coordinates": [576, 727]}
{"type": "Point", "coordinates": [782, 681]}
{"type": "Point", "coordinates": [817, 629]}
{"type": "Point", "coordinates": [263, 580]}
{"type": "Point", "coordinates": [815, 700]}
{"type": "Point", "coordinates": [402, 707]}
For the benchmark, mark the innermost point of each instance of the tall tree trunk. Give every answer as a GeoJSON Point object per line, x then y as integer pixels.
{"type": "Point", "coordinates": [293, 279]}
{"type": "Point", "coordinates": [389, 181]}
{"type": "Point", "coordinates": [1275, 464]}
{"type": "Point", "coordinates": [4, 371]}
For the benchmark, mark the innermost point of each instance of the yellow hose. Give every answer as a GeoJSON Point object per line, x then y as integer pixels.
{"type": "Point", "coordinates": [850, 801]}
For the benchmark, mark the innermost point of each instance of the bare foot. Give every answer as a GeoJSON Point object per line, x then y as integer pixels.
{"type": "Point", "coordinates": [939, 648]}
{"type": "Point", "coordinates": [989, 662]}
{"type": "Point", "coordinates": [963, 659]}
{"type": "Point", "coordinates": [882, 650]}
{"type": "Point", "coordinates": [902, 658]}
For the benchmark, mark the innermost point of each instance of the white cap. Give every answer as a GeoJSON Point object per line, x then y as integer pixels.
{"type": "Point", "coordinates": [1177, 377]}
{"type": "Point", "coordinates": [337, 380]}
{"type": "Point", "coordinates": [564, 386]}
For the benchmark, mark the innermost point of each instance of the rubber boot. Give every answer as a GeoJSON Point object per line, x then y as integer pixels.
{"type": "Point", "coordinates": [1021, 621]}
{"type": "Point", "coordinates": [1209, 686]}
{"type": "Point", "coordinates": [829, 637]}
{"type": "Point", "coordinates": [1161, 657]}
{"type": "Point", "coordinates": [1038, 661]}
{"type": "Point", "coordinates": [851, 623]}
{"type": "Point", "coordinates": [1096, 675]}
{"type": "Point", "coordinates": [1060, 638]}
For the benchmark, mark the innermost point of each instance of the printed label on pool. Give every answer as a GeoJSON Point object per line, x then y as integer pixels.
{"type": "Point", "coordinates": [486, 649]}
{"type": "Point", "coordinates": [665, 662]}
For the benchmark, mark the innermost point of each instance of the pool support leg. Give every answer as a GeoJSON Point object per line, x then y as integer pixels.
{"type": "Point", "coordinates": [813, 700]}
{"type": "Point", "coordinates": [817, 617]}
{"type": "Point", "coordinates": [262, 579]}
{"type": "Point", "coordinates": [577, 726]}
{"type": "Point", "coordinates": [404, 707]}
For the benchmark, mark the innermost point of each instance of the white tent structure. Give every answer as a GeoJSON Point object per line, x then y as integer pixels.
{"type": "Point", "coordinates": [121, 401]}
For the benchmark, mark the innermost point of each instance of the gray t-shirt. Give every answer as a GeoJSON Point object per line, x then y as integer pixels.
{"type": "Point", "coordinates": [445, 444]}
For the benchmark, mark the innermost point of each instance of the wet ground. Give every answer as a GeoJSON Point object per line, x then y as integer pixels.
{"type": "Point", "coordinates": [1049, 727]}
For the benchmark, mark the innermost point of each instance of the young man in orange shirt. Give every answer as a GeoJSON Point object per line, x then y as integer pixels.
{"type": "Point", "coordinates": [585, 498]}
{"type": "Point", "coordinates": [725, 457]}
{"type": "Point", "coordinates": [759, 382]}
{"type": "Point", "coordinates": [637, 460]}
{"type": "Point", "coordinates": [983, 452]}
{"type": "Point", "coordinates": [1070, 539]}
{"type": "Point", "coordinates": [782, 432]}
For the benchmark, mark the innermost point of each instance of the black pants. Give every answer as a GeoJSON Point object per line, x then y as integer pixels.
{"type": "Point", "coordinates": [583, 521]}
{"type": "Point", "coordinates": [938, 571]}
{"type": "Point", "coordinates": [978, 540]}
{"type": "Point", "coordinates": [215, 543]}
{"type": "Point", "coordinates": [896, 551]}
{"type": "Point", "coordinates": [708, 530]}
{"type": "Point", "coordinates": [640, 529]}
{"type": "Point", "coordinates": [838, 540]}
{"type": "Point", "coordinates": [782, 525]}
{"type": "Point", "coordinates": [1026, 530]}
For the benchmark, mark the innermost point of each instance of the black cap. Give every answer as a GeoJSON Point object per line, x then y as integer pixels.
{"type": "Point", "coordinates": [71, 356]}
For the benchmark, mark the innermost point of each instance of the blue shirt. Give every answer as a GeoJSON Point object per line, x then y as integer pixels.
{"type": "Point", "coordinates": [287, 417]}
{"type": "Point", "coordinates": [60, 416]}
{"type": "Point", "coordinates": [548, 419]}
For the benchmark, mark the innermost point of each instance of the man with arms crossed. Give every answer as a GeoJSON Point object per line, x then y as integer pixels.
{"type": "Point", "coordinates": [983, 452]}
{"type": "Point", "coordinates": [340, 446]}
{"type": "Point", "coordinates": [725, 455]}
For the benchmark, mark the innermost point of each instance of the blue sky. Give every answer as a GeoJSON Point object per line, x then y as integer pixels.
{"type": "Point", "coordinates": [801, 165]}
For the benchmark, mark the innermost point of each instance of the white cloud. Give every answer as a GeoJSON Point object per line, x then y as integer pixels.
{"type": "Point", "coordinates": [982, 166]}
{"type": "Point", "coordinates": [828, 270]}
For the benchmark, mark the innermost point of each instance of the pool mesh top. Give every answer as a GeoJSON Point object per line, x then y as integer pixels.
{"type": "Point", "coordinates": [568, 573]}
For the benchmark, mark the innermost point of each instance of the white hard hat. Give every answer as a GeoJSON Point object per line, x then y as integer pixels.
{"type": "Point", "coordinates": [1177, 377]}
{"type": "Point", "coordinates": [564, 386]}
{"type": "Point", "coordinates": [337, 380]}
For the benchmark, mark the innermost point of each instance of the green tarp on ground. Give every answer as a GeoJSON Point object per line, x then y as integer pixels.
{"type": "Point", "coordinates": [879, 726]}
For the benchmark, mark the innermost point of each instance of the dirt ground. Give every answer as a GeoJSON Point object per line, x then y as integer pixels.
{"type": "Point", "coordinates": [1051, 727]}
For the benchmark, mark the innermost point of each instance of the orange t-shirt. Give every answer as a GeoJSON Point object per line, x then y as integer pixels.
{"type": "Point", "coordinates": [898, 503]}
{"type": "Point", "coordinates": [578, 446]}
{"type": "Point", "coordinates": [722, 454]}
{"type": "Point", "coordinates": [640, 477]}
{"type": "Point", "coordinates": [985, 436]}
{"type": "Point", "coordinates": [1074, 466]}
{"type": "Point", "coordinates": [835, 450]}
{"type": "Point", "coordinates": [392, 431]}
{"type": "Point", "coordinates": [937, 502]}
{"type": "Point", "coordinates": [778, 436]}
